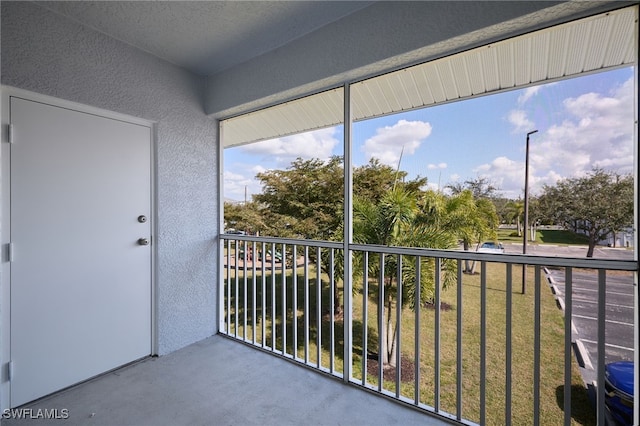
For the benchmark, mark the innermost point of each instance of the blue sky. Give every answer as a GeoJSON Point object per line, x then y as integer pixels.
{"type": "Point", "coordinates": [581, 122]}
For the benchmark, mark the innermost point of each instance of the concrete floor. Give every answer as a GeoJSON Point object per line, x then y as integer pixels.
{"type": "Point", "coordinates": [221, 382]}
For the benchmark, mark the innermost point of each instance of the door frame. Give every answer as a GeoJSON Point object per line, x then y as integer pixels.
{"type": "Point", "coordinates": [6, 93]}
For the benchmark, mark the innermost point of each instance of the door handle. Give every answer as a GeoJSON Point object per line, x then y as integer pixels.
{"type": "Point", "coordinates": [143, 241]}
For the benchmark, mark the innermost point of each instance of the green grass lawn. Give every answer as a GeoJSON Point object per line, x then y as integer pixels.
{"type": "Point", "coordinates": [544, 236]}
{"type": "Point", "coordinates": [552, 343]}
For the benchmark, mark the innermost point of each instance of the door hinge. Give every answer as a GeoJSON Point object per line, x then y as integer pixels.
{"type": "Point", "coordinates": [10, 370]}
{"type": "Point", "coordinates": [10, 132]}
{"type": "Point", "coordinates": [10, 252]}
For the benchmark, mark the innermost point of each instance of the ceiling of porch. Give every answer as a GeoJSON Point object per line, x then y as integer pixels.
{"type": "Point", "coordinates": [205, 37]}
{"type": "Point", "coordinates": [209, 37]}
{"type": "Point", "coordinates": [587, 45]}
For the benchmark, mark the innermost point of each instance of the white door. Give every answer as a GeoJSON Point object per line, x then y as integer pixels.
{"type": "Point", "coordinates": [80, 279]}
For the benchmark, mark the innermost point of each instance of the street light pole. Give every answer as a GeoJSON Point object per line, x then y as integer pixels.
{"type": "Point", "coordinates": [526, 209]}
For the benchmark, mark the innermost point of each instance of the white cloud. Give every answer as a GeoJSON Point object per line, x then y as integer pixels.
{"type": "Point", "coordinates": [389, 141]}
{"type": "Point", "coordinates": [278, 154]}
{"type": "Point", "coordinates": [508, 176]}
{"type": "Point", "coordinates": [532, 91]}
{"type": "Point", "coordinates": [519, 119]}
{"type": "Point", "coordinates": [597, 131]}
{"type": "Point", "coordinates": [528, 93]}
{"type": "Point", "coordinates": [258, 169]}
{"type": "Point", "coordinates": [437, 166]}
{"type": "Point", "coordinates": [504, 173]}
{"type": "Point", "coordinates": [433, 186]}
{"type": "Point", "coordinates": [315, 144]}
{"type": "Point", "coordinates": [236, 182]}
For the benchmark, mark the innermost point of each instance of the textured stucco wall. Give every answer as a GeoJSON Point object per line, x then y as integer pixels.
{"type": "Point", "coordinates": [46, 53]}
{"type": "Point", "coordinates": [382, 37]}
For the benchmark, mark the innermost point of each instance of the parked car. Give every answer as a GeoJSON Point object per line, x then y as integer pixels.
{"type": "Point", "coordinates": [491, 247]}
{"type": "Point", "coordinates": [618, 388]}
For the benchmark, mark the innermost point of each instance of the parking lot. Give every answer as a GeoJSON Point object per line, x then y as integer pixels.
{"type": "Point", "coordinates": [618, 320]}
{"type": "Point", "coordinates": [619, 304]}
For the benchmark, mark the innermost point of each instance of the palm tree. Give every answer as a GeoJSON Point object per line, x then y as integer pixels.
{"type": "Point", "coordinates": [393, 222]}
{"type": "Point", "coordinates": [516, 212]}
{"type": "Point", "coordinates": [471, 220]}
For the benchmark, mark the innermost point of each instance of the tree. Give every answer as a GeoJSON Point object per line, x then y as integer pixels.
{"type": "Point", "coordinates": [536, 217]}
{"type": "Point", "coordinates": [515, 213]}
{"type": "Point", "coordinates": [501, 204]}
{"type": "Point", "coordinates": [471, 220]}
{"type": "Point", "coordinates": [305, 199]}
{"type": "Point", "coordinates": [246, 217]}
{"type": "Point", "coordinates": [374, 179]}
{"type": "Point", "coordinates": [596, 205]}
{"type": "Point", "coordinates": [477, 211]}
{"type": "Point", "coordinates": [480, 187]}
{"type": "Point", "coordinates": [392, 222]}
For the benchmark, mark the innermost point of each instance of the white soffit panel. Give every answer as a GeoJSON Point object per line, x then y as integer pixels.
{"type": "Point", "coordinates": [312, 112]}
{"type": "Point", "coordinates": [588, 45]}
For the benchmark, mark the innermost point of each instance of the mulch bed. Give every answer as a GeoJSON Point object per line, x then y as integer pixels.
{"type": "Point", "coordinates": [407, 369]}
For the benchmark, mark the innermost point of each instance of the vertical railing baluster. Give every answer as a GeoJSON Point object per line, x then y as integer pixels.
{"type": "Point", "coordinates": [284, 298]}
{"type": "Point", "coordinates": [568, 339]}
{"type": "Point", "coordinates": [228, 286]}
{"type": "Point", "coordinates": [332, 310]}
{"type": "Point", "coordinates": [436, 336]}
{"type": "Point", "coordinates": [306, 304]}
{"type": "Point", "coordinates": [397, 339]}
{"type": "Point", "coordinates": [381, 330]}
{"type": "Point", "coordinates": [294, 295]}
{"type": "Point", "coordinates": [237, 288]}
{"type": "Point", "coordinates": [365, 314]}
{"type": "Point", "coordinates": [602, 317]}
{"type": "Point", "coordinates": [263, 306]}
{"type": "Point", "coordinates": [459, 341]}
{"type": "Point", "coordinates": [245, 287]}
{"type": "Point", "coordinates": [483, 343]}
{"type": "Point", "coordinates": [507, 367]}
{"type": "Point", "coordinates": [418, 312]}
{"type": "Point", "coordinates": [253, 292]}
{"type": "Point", "coordinates": [274, 313]}
{"type": "Point", "coordinates": [536, 349]}
{"type": "Point", "coordinates": [318, 307]}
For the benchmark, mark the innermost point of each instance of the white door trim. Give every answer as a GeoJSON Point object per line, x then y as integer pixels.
{"type": "Point", "coordinates": [6, 93]}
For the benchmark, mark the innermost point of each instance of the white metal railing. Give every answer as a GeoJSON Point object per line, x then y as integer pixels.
{"type": "Point", "coordinates": [280, 295]}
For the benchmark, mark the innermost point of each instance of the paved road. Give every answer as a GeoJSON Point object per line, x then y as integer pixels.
{"type": "Point", "coordinates": [571, 251]}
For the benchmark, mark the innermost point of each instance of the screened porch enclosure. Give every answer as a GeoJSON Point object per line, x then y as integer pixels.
{"type": "Point", "coordinates": [483, 350]}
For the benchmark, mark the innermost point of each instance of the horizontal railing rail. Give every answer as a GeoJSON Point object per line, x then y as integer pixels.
{"type": "Point", "coordinates": [450, 332]}
{"type": "Point", "coordinates": [516, 259]}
